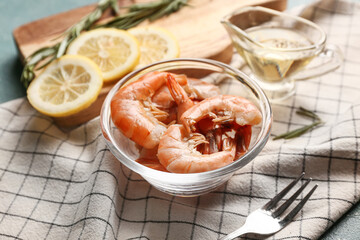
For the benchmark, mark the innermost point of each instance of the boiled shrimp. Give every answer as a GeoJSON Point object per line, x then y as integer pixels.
{"type": "Point", "coordinates": [222, 109]}
{"type": "Point", "coordinates": [196, 89]}
{"type": "Point", "coordinates": [243, 136]}
{"type": "Point", "coordinates": [200, 90]}
{"type": "Point", "coordinates": [178, 153]}
{"type": "Point", "coordinates": [179, 95]}
{"type": "Point", "coordinates": [162, 97]}
{"type": "Point", "coordinates": [213, 134]}
{"type": "Point", "coordinates": [179, 146]}
{"type": "Point", "coordinates": [163, 100]}
{"type": "Point", "coordinates": [134, 114]}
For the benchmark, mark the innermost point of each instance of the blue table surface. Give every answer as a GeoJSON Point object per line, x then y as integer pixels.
{"type": "Point", "coordinates": [15, 13]}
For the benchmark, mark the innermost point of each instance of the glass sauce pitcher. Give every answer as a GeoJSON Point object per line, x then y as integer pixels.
{"type": "Point", "coordinates": [278, 47]}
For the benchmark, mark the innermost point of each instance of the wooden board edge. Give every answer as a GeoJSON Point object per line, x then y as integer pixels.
{"type": "Point", "coordinates": [94, 110]}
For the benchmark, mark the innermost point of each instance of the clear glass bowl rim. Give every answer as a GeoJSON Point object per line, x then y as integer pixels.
{"type": "Point", "coordinates": [188, 177]}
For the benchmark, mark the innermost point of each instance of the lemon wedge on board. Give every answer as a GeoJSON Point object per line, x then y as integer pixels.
{"type": "Point", "coordinates": [116, 52]}
{"type": "Point", "coordinates": [156, 44]}
{"type": "Point", "coordinates": [67, 86]}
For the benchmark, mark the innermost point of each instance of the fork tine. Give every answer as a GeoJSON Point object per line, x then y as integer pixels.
{"type": "Point", "coordinates": [269, 205]}
{"type": "Point", "coordinates": [288, 202]}
{"type": "Point", "coordinates": [298, 207]}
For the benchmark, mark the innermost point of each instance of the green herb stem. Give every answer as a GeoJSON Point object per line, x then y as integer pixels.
{"type": "Point", "coordinates": [300, 131]}
{"type": "Point", "coordinates": [58, 49]}
{"type": "Point", "coordinates": [307, 113]}
{"type": "Point", "coordinates": [140, 12]}
{"type": "Point", "coordinates": [136, 14]}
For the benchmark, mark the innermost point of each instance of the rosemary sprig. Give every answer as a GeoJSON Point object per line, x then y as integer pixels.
{"type": "Point", "coordinates": [58, 49]}
{"type": "Point", "coordinates": [300, 131]}
{"type": "Point", "coordinates": [138, 13]}
{"type": "Point", "coordinates": [307, 113]}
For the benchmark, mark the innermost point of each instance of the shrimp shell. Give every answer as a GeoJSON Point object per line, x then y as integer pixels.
{"type": "Point", "coordinates": [133, 113]}
{"type": "Point", "coordinates": [222, 108]}
{"type": "Point", "coordinates": [200, 90]}
{"type": "Point", "coordinates": [177, 153]}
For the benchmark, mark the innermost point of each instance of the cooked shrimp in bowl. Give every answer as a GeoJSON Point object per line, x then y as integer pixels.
{"type": "Point", "coordinates": [208, 120]}
{"type": "Point", "coordinates": [190, 124]}
{"type": "Point", "coordinates": [134, 113]}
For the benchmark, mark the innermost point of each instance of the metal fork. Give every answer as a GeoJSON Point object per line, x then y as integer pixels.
{"type": "Point", "coordinates": [267, 220]}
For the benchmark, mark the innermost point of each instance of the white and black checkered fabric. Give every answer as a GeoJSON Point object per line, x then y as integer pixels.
{"type": "Point", "coordinates": [57, 185]}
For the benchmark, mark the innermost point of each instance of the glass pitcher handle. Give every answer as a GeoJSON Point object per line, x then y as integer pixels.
{"type": "Point", "coordinates": [333, 58]}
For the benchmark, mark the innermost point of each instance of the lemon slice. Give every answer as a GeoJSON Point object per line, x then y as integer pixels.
{"type": "Point", "coordinates": [67, 86]}
{"type": "Point", "coordinates": [156, 44]}
{"type": "Point", "coordinates": [115, 51]}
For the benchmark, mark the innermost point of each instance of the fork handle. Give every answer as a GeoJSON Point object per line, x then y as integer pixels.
{"type": "Point", "coordinates": [237, 233]}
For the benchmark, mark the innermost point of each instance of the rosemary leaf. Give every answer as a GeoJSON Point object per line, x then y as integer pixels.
{"type": "Point", "coordinates": [59, 49]}
{"type": "Point", "coordinates": [147, 5]}
{"type": "Point", "coordinates": [307, 113]}
{"type": "Point", "coordinates": [62, 48]}
{"type": "Point", "coordinates": [166, 10]}
{"type": "Point", "coordinates": [46, 63]}
{"type": "Point", "coordinates": [115, 7]}
{"type": "Point", "coordinates": [300, 131]}
{"type": "Point", "coordinates": [27, 74]}
{"type": "Point", "coordinates": [41, 54]}
{"type": "Point", "coordinates": [142, 11]}
{"type": "Point", "coordinates": [136, 14]}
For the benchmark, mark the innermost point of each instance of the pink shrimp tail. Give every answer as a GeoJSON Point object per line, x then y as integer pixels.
{"type": "Point", "coordinates": [178, 93]}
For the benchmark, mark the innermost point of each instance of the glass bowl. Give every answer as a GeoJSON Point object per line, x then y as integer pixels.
{"type": "Point", "coordinates": [230, 81]}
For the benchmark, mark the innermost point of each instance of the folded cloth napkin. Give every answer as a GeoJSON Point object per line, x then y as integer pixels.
{"type": "Point", "coordinates": [67, 185]}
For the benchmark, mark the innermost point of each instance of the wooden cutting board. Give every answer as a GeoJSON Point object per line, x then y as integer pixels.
{"type": "Point", "coordinates": [197, 28]}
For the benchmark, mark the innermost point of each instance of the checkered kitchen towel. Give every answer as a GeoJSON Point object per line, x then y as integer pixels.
{"type": "Point", "coordinates": [56, 185]}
